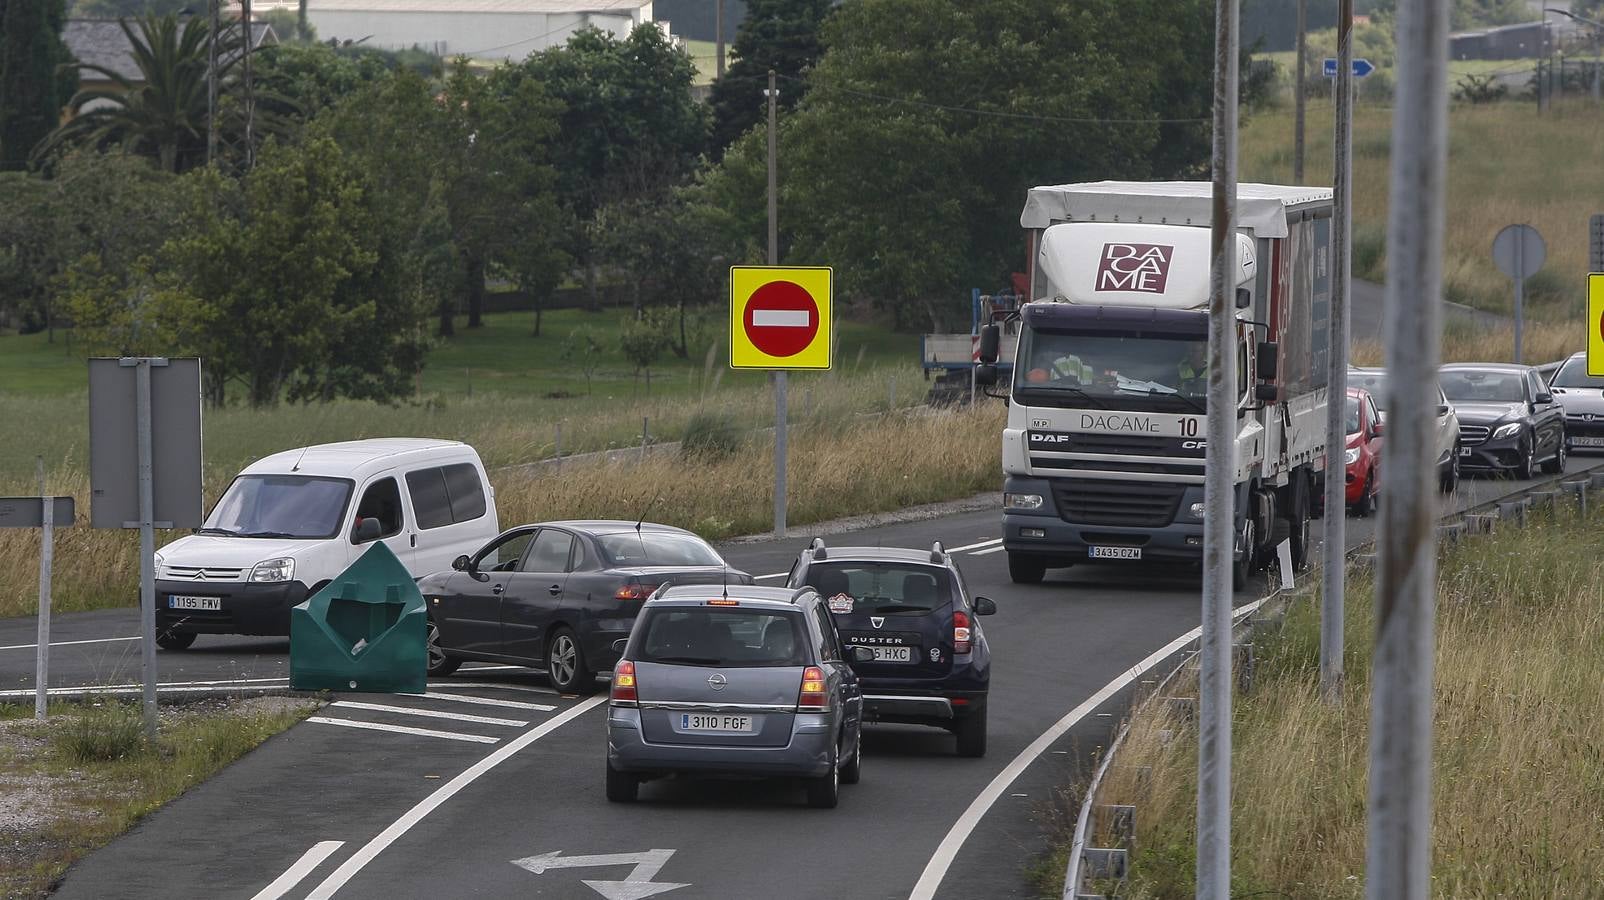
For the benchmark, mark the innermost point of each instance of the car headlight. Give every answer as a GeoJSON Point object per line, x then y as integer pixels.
{"type": "Point", "coordinates": [1351, 456]}
{"type": "Point", "coordinates": [1504, 431]}
{"type": "Point", "coordinates": [1196, 510]}
{"type": "Point", "coordinates": [1022, 501]}
{"type": "Point", "coordinates": [281, 569]}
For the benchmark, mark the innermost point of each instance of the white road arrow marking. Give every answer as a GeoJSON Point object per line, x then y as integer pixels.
{"type": "Point", "coordinates": [637, 884]}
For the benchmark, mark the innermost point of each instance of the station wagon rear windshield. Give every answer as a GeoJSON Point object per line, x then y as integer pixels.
{"type": "Point", "coordinates": [727, 638]}
{"type": "Point", "coordinates": [281, 506]}
{"type": "Point", "coordinates": [657, 548]}
{"type": "Point", "coordinates": [890, 588]}
{"type": "Point", "coordinates": [1573, 374]}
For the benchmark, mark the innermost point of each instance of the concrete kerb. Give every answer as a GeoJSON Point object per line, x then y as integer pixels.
{"type": "Point", "coordinates": [1272, 613]}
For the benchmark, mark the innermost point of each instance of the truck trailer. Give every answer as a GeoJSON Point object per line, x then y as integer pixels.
{"type": "Point", "coordinates": [1103, 453]}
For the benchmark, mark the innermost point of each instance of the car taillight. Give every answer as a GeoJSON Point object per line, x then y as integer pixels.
{"type": "Point", "coordinates": [812, 695]}
{"type": "Point", "coordinates": [960, 632]}
{"type": "Point", "coordinates": [624, 682]}
{"type": "Point", "coordinates": [634, 590]}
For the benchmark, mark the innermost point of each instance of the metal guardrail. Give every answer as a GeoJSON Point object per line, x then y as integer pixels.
{"type": "Point", "coordinates": [1074, 869]}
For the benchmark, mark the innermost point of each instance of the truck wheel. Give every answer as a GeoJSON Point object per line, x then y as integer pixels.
{"type": "Point", "coordinates": [1299, 525]}
{"type": "Point", "coordinates": [1023, 569]}
{"type": "Point", "coordinates": [1241, 569]}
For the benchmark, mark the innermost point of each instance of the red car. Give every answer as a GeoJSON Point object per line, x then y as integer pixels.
{"type": "Point", "coordinates": [1363, 451]}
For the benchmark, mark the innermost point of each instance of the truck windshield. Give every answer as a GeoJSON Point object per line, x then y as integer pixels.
{"type": "Point", "coordinates": [1155, 372]}
{"type": "Point", "coordinates": [281, 506]}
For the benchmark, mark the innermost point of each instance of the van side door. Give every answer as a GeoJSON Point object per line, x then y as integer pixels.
{"type": "Point", "coordinates": [452, 511]}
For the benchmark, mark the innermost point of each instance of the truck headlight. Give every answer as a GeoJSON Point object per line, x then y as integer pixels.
{"type": "Point", "coordinates": [1351, 455]}
{"type": "Point", "coordinates": [1022, 501]}
{"type": "Point", "coordinates": [1504, 431]}
{"type": "Point", "coordinates": [1196, 511]}
{"type": "Point", "coordinates": [281, 569]}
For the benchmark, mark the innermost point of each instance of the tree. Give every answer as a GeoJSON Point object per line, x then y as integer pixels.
{"type": "Point", "coordinates": [642, 341]}
{"type": "Point", "coordinates": [782, 35]}
{"type": "Point", "coordinates": [314, 77]}
{"type": "Point", "coordinates": [670, 247]}
{"type": "Point", "coordinates": [629, 126]}
{"type": "Point", "coordinates": [35, 76]}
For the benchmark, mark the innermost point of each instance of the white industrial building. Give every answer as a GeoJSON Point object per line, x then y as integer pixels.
{"type": "Point", "coordinates": [484, 29]}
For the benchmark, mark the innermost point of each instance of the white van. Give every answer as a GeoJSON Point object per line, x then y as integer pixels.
{"type": "Point", "coordinates": [291, 522]}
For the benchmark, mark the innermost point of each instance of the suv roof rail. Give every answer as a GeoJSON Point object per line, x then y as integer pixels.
{"type": "Point", "coordinates": [660, 589]}
{"type": "Point", "coordinates": [818, 549]}
{"type": "Point", "coordinates": [938, 553]}
{"type": "Point", "coordinates": [801, 592]}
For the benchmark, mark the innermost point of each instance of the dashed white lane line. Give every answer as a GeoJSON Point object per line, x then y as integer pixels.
{"type": "Point", "coordinates": [404, 729]}
{"type": "Point", "coordinates": [429, 713]}
{"type": "Point", "coordinates": [997, 549]}
{"type": "Point", "coordinates": [531, 688]}
{"type": "Point", "coordinates": [416, 814]}
{"type": "Point", "coordinates": [69, 643]}
{"type": "Point", "coordinates": [303, 867]}
{"type": "Point", "coordinates": [489, 701]}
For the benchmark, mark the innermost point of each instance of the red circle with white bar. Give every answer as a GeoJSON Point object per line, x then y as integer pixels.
{"type": "Point", "coordinates": [781, 318]}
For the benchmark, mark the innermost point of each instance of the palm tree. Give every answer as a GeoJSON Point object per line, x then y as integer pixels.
{"type": "Point", "coordinates": [164, 113]}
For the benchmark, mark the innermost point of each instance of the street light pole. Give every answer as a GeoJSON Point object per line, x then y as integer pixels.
{"type": "Point", "coordinates": [1298, 102]}
{"type": "Point", "coordinates": [1333, 570]}
{"type": "Point", "coordinates": [781, 417]}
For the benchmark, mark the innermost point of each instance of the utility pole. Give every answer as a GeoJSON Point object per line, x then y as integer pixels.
{"type": "Point", "coordinates": [718, 37]}
{"type": "Point", "coordinates": [1219, 529]}
{"type": "Point", "coordinates": [1333, 572]}
{"type": "Point", "coordinates": [1398, 855]}
{"type": "Point", "coordinates": [211, 87]}
{"type": "Point", "coordinates": [1297, 101]}
{"type": "Point", "coordinates": [250, 86]}
{"type": "Point", "coordinates": [780, 416]}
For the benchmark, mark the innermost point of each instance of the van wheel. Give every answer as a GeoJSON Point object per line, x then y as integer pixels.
{"type": "Point", "coordinates": [824, 792]}
{"type": "Point", "coordinates": [971, 732]}
{"type": "Point", "coordinates": [565, 664]}
{"type": "Point", "coordinates": [622, 787]}
{"type": "Point", "coordinates": [440, 664]}
{"type": "Point", "coordinates": [168, 639]}
{"type": "Point", "coordinates": [1024, 569]}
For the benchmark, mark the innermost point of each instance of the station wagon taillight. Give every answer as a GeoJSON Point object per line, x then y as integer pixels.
{"type": "Point", "coordinates": [960, 632]}
{"type": "Point", "coordinates": [624, 682]}
{"type": "Point", "coordinates": [812, 695]}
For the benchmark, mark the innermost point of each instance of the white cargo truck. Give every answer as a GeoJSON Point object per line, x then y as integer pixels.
{"type": "Point", "coordinates": [1103, 453]}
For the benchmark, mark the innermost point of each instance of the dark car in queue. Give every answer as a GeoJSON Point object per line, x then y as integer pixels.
{"type": "Point", "coordinates": [931, 664]}
{"type": "Point", "coordinates": [1582, 397]}
{"type": "Point", "coordinates": [734, 681]}
{"type": "Point", "coordinates": [557, 595]}
{"type": "Point", "coordinates": [1508, 420]}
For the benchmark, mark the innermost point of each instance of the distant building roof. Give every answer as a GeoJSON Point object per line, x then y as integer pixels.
{"type": "Point", "coordinates": [102, 42]}
{"type": "Point", "coordinates": [618, 7]}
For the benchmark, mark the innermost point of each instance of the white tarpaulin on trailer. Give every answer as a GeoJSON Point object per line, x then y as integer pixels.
{"type": "Point", "coordinates": [1261, 208]}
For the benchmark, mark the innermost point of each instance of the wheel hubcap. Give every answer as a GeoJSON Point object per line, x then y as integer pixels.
{"type": "Point", "coordinates": [562, 660]}
{"type": "Point", "coordinates": [437, 657]}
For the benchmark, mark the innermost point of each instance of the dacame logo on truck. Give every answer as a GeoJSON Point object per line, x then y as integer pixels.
{"type": "Point", "coordinates": [1091, 422]}
{"type": "Point", "coordinates": [1134, 267]}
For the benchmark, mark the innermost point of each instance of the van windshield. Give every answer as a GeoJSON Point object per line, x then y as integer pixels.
{"type": "Point", "coordinates": [281, 506]}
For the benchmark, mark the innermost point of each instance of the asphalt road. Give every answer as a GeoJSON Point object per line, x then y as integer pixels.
{"type": "Point", "coordinates": [1366, 313]}
{"type": "Point", "coordinates": [509, 802]}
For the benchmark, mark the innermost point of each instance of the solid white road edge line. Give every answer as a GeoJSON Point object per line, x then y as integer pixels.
{"type": "Point", "coordinates": [303, 867]}
{"type": "Point", "coordinates": [404, 729]}
{"type": "Point", "coordinates": [68, 643]}
{"type": "Point", "coordinates": [997, 549]}
{"type": "Point", "coordinates": [429, 713]}
{"type": "Point", "coordinates": [936, 869]}
{"type": "Point", "coordinates": [973, 546]}
{"type": "Point", "coordinates": [473, 668]}
{"type": "Point", "coordinates": [488, 701]}
{"type": "Point", "coordinates": [445, 792]}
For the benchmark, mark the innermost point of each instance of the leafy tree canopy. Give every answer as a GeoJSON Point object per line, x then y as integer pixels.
{"type": "Point", "coordinates": [782, 35]}
{"type": "Point", "coordinates": [35, 78]}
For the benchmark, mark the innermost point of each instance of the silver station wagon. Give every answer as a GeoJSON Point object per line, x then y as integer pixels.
{"type": "Point", "coordinates": [734, 680]}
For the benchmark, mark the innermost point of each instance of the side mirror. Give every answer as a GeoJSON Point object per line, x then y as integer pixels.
{"type": "Point", "coordinates": [1444, 409]}
{"type": "Point", "coordinates": [1244, 298]}
{"type": "Point", "coordinates": [990, 340]}
{"type": "Point", "coordinates": [1266, 393]}
{"type": "Point", "coordinates": [985, 606]}
{"type": "Point", "coordinates": [860, 655]}
{"type": "Point", "coordinates": [461, 563]}
{"type": "Point", "coordinates": [620, 644]}
{"type": "Point", "coordinates": [1269, 360]}
{"type": "Point", "coordinates": [1377, 429]}
{"type": "Point", "coordinates": [1545, 397]}
{"type": "Point", "coordinates": [986, 374]}
{"type": "Point", "coordinates": [368, 530]}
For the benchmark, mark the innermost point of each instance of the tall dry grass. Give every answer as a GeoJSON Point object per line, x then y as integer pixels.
{"type": "Point", "coordinates": [841, 463]}
{"type": "Point", "coordinates": [1519, 727]}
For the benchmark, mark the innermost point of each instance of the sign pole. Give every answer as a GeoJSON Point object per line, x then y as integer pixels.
{"type": "Point", "coordinates": [147, 545]}
{"type": "Point", "coordinates": [780, 417]}
{"type": "Point", "coordinates": [1398, 851]}
{"type": "Point", "coordinates": [41, 676]}
{"type": "Point", "coordinates": [1298, 99]}
{"type": "Point", "coordinates": [1219, 530]}
{"type": "Point", "coordinates": [1520, 296]}
{"type": "Point", "coordinates": [1333, 575]}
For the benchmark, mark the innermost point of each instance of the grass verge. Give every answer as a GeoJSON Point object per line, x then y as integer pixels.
{"type": "Point", "coordinates": [73, 783]}
{"type": "Point", "coordinates": [1518, 730]}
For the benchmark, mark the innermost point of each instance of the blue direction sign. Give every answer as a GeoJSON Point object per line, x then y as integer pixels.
{"type": "Point", "coordinates": [1361, 67]}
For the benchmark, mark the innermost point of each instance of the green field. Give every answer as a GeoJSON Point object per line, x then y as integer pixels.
{"type": "Point", "coordinates": [705, 54]}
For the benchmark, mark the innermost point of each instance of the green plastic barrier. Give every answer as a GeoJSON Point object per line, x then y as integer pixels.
{"type": "Point", "coordinates": [364, 631]}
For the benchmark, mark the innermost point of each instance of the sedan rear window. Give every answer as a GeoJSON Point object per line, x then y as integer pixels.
{"type": "Point", "coordinates": [729, 638]}
{"type": "Point", "coordinates": [882, 587]}
{"type": "Point", "coordinates": [657, 548]}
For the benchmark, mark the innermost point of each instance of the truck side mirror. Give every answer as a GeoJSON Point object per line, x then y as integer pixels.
{"type": "Point", "coordinates": [990, 339]}
{"type": "Point", "coordinates": [1244, 298]}
{"type": "Point", "coordinates": [985, 375]}
{"type": "Point", "coordinates": [1266, 393]}
{"type": "Point", "coordinates": [1269, 360]}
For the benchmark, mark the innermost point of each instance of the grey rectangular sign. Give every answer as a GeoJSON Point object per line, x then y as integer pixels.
{"type": "Point", "coordinates": [29, 512]}
{"type": "Point", "coordinates": [1595, 243]}
{"type": "Point", "coordinates": [175, 442]}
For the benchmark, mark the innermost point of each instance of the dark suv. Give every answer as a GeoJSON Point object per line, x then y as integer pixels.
{"type": "Point", "coordinates": [931, 664]}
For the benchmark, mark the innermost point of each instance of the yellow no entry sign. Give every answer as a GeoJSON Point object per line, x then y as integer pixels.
{"type": "Point", "coordinates": [1595, 324]}
{"type": "Point", "coordinates": [780, 317]}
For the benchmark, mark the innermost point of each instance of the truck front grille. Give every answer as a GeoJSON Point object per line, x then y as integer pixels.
{"type": "Point", "coordinates": [1129, 503]}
